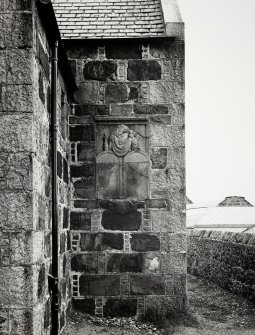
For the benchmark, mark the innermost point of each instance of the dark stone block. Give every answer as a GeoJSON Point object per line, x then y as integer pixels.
{"type": "Point", "coordinates": [99, 285]}
{"type": "Point", "coordinates": [62, 243]}
{"type": "Point", "coordinates": [116, 93]}
{"type": "Point", "coordinates": [147, 285]}
{"type": "Point", "coordinates": [161, 119]}
{"type": "Point", "coordinates": [85, 170]}
{"type": "Point", "coordinates": [89, 204]}
{"type": "Point", "coordinates": [101, 241]}
{"type": "Point", "coordinates": [86, 151]}
{"type": "Point", "coordinates": [59, 164]}
{"type": "Point", "coordinates": [120, 307]}
{"type": "Point", "coordinates": [65, 171]}
{"type": "Point", "coordinates": [72, 63]}
{"type": "Point", "coordinates": [83, 110]}
{"type": "Point", "coordinates": [150, 109]}
{"type": "Point", "coordinates": [117, 221]}
{"type": "Point", "coordinates": [41, 281]}
{"type": "Point", "coordinates": [65, 217]}
{"type": "Point", "coordinates": [48, 100]}
{"type": "Point", "coordinates": [68, 241]}
{"type": "Point", "coordinates": [100, 70]}
{"type": "Point", "coordinates": [80, 221]}
{"type": "Point", "coordinates": [43, 58]}
{"type": "Point", "coordinates": [85, 263]}
{"type": "Point", "coordinates": [134, 93]}
{"type": "Point", "coordinates": [64, 265]}
{"type": "Point", "coordinates": [125, 263]}
{"type": "Point", "coordinates": [141, 70]}
{"type": "Point", "coordinates": [84, 305]}
{"type": "Point", "coordinates": [47, 245]}
{"type": "Point", "coordinates": [16, 5]}
{"type": "Point", "coordinates": [158, 158]}
{"type": "Point", "coordinates": [82, 133]}
{"type": "Point", "coordinates": [123, 51]}
{"type": "Point", "coordinates": [84, 188]}
{"type": "Point", "coordinates": [41, 87]}
{"type": "Point", "coordinates": [144, 242]}
{"type": "Point", "coordinates": [47, 313]}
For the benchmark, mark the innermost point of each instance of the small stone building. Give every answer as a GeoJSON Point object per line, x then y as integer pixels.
{"type": "Point", "coordinates": [120, 159]}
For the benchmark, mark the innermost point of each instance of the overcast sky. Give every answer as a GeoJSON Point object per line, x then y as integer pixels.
{"type": "Point", "coordinates": [220, 98]}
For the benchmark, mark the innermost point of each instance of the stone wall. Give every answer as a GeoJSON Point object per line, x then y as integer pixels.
{"type": "Point", "coordinates": [128, 240]}
{"type": "Point", "coordinates": [25, 187]}
{"type": "Point", "coordinates": [226, 259]}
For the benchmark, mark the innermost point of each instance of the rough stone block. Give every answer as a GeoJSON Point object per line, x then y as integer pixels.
{"type": "Point", "coordinates": [19, 62]}
{"type": "Point", "coordinates": [100, 70]}
{"type": "Point", "coordinates": [65, 171]}
{"type": "Point", "coordinates": [84, 305]}
{"type": "Point", "coordinates": [81, 110]}
{"type": "Point", "coordinates": [89, 204]}
{"type": "Point", "coordinates": [116, 93]}
{"type": "Point", "coordinates": [87, 263]}
{"type": "Point", "coordinates": [59, 164]}
{"type": "Point", "coordinates": [167, 221]}
{"type": "Point", "coordinates": [144, 242]}
{"type": "Point", "coordinates": [17, 98]}
{"type": "Point", "coordinates": [88, 92]}
{"type": "Point", "coordinates": [16, 5]}
{"type": "Point", "coordinates": [16, 286]}
{"type": "Point", "coordinates": [119, 263]}
{"type": "Point", "coordinates": [65, 217]}
{"type": "Point", "coordinates": [17, 30]}
{"type": "Point", "coordinates": [142, 70]}
{"type": "Point", "coordinates": [16, 210]}
{"type": "Point", "coordinates": [147, 285]}
{"type": "Point", "coordinates": [159, 184]}
{"type": "Point", "coordinates": [161, 119]}
{"type": "Point", "coordinates": [156, 203]}
{"type": "Point", "coordinates": [80, 220]}
{"type": "Point", "coordinates": [85, 170]}
{"type": "Point", "coordinates": [86, 151]}
{"type": "Point", "coordinates": [123, 50]}
{"type": "Point", "coordinates": [120, 307]}
{"type": "Point", "coordinates": [84, 188]}
{"type": "Point", "coordinates": [158, 158]}
{"type": "Point", "coordinates": [150, 109]}
{"type": "Point", "coordinates": [101, 242]}
{"type": "Point", "coordinates": [121, 110]}
{"type": "Point", "coordinates": [134, 92]}
{"type": "Point", "coordinates": [99, 285]}
{"type": "Point", "coordinates": [174, 262]}
{"type": "Point", "coordinates": [166, 136]}
{"type": "Point", "coordinates": [176, 284]}
{"type": "Point", "coordinates": [82, 133]}
{"type": "Point", "coordinates": [165, 92]}
{"type": "Point", "coordinates": [116, 221]}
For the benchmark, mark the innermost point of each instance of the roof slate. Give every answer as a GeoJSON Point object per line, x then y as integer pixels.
{"type": "Point", "coordinates": [109, 19]}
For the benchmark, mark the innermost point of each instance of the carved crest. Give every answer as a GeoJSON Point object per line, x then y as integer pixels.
{"type": "Point", "coordinates": [121, 141]}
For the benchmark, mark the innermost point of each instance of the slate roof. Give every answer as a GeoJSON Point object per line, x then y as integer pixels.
{"type": "Point", "coordinates": [109, 18]}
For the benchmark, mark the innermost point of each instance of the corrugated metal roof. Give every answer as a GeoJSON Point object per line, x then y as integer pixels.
{"type": "Point", "coordinates": [109, 19]}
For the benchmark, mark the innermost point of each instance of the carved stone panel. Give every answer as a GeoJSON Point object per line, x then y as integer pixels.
{"type": "Point", "coordinates": [122, 166]}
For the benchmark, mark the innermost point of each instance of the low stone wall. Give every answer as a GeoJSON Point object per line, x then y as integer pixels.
{"type": "Point", "coordinates": [227, 259]}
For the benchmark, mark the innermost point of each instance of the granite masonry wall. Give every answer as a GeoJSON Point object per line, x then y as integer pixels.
{"type": "Point", "coordinates": [226, 259]}
{"type": "Point", "coordinates": [127, 217]}
{"type": "Point", "coordinates": [25, 175]}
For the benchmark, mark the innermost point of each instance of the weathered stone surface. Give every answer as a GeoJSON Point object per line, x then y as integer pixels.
{"type": "Point", "coordinates": [125, 263]}
{"type": "Point", "coordinates": [144, 242]}
{"type": "Point", "coordinates": [17, 30]}
{"type": "Point", "coordinates": [81, 110]}
{"type": "Point", "coordinates": [167, 136]}
{"type": "Point", "coordinates": [156, 203]}
{"type": "Point", "coordinates": [86, 263]}
{"type": "Point", "coordinates": [99, 285]}
{"type": "Point", "coordinates": [176, 284]}
{"type": "Point", "coordinates": [159, 184]}
{"type": "Point", "coordinates": [62, 243]}
{"type": "Point", "coordinates": [42, 57]}
{"type": "Point", "coordinates": [116, 93]}
{"type": "Point", "coordinates": [16, 5]}
{"type": "Point", "coordinates": [86, 151]}
{"type": "Point", "coordinates": [84, 188]}
{"type": "Point", "coordinates": [100, 70]}
{"type": "Point", "coordinates": [117, 221]}
{"type": "Point", "coordinates": [65, 217]}
{"type": "Point", "coordinates": [91, 204]}
{"type": "Point", "coordinates": [163, 221]}
{"type": "Point", "coordinates": [152, 262]}
{"type": "Point", "coordinates": [41, 88]}
{"type": "Point", "coordinates": [120, 307]}
{"type": "Point", "coordinates": [158, 158]}
{"type": "Point", "coordinates": [21, 321]}
{"type": "Point", "coordinates": [165, 92]}
{"type": "Point", "coordinates": [17, 98]}
{"type": "Point", "coordinates": [80, 220]}
{"type": "Point", "coordinates": [88, 92]}
{"type": "Point", "coordinates": [161, 119]}
{"type": "Point", "coordinates": [85, 170]}
{"type": "Point", "coordinates": [151, 109]}
{"type": "Point", "coordinates": [174, 262]}
{"type": "Point", "coordinates": [147, 285]}
{"type": "Point", "coordinates": [41, 281]}
{"type": "Point", "coordinates": [142, 70]}
{"type": "Point", "coordinates": [101, 242]}
{"type": "Point", "coordinates": [18, 65]}
{"type": "Point", "coordinates": [82, 133]}
{"type": "Point", "coordinates": [134, 92]}
{"type": "Point", "coordinates": [84, 305]}
{"type": "Point", "coordinates": [121, 110]}
{"type": "Point", "coordinates": [18, 280]}
{"type": "Point", "coordinates": [123, 50]}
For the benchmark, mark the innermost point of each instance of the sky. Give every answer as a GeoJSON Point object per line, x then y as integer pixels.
{"type": "Point", "coordinates": [220, 98]}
